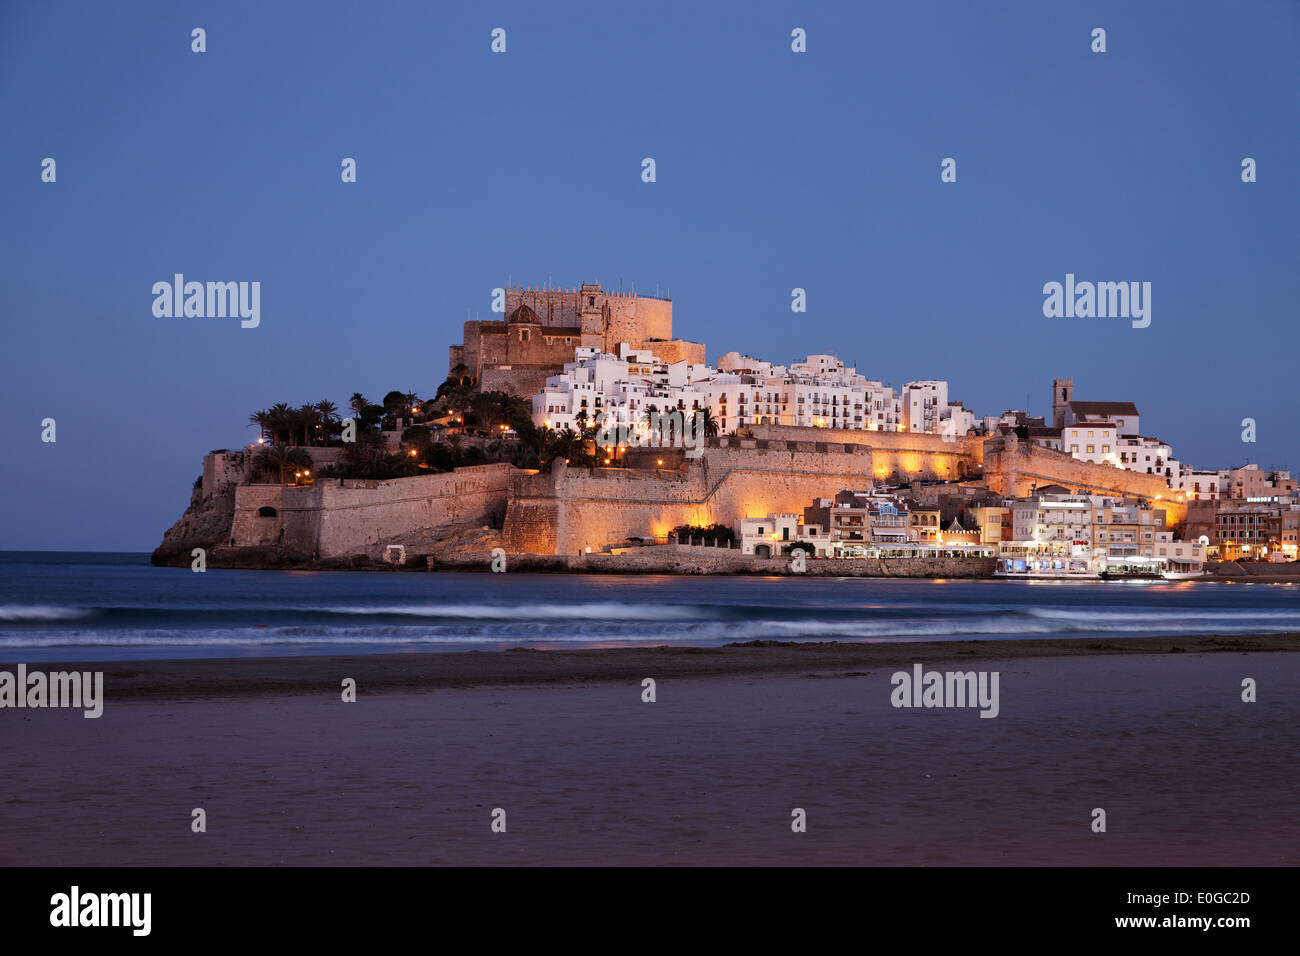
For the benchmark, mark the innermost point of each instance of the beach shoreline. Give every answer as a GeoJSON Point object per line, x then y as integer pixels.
{"type": "Point", "coordinates": [588, 771]}
{"type": "Point", "coordinates": [414, 671]}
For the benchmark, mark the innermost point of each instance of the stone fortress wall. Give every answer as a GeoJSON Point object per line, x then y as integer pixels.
{"type": "Point", "coordinates": [1016, 469]}
{"type": "Point", "coordinates": [572, 509]}
{"type": "Point", "coordinates": [336, 517]}
{"type": "Point", "coordinates": [898, 455]}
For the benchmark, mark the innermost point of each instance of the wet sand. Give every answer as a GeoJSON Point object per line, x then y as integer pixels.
{"type": "Point", "coordinates": [708, 774]}
{"type": "Point", "coordinates": [385, 673]}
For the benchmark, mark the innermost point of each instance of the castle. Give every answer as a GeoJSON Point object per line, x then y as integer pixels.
{"type": "Point", "coordinates": [570, 510]}
{"type": "Point", "coordinates": [770, 469]}
{"type": "Point", "coordinates": [542, 328]}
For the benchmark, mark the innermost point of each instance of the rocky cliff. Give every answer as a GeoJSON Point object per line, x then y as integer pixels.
{"type": "Point", "coordinates": [205, 524]}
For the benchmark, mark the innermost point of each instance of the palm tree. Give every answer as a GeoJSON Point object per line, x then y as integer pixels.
{"type": "Point", "coordinates": [262, 419]}
{"type": "Point", "coordinates": [357, 403]}
{"type": "Point", "coordinates": [567, 444]}
{"type": "Point", "coordinates": [328, 419]}
{"type": "Point", "coordinates": [364, 457]}
{"type": "Point", "coordinates": [485, 410]}
{"type": "Point", "coordinates": [279, 421]}
{"type": "Point", "coordinates": [281, 458]}
{"type": "Point", "coordinates": [708, 424]}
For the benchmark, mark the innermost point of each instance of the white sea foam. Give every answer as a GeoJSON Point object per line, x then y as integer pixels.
{"type": "Point", "coordinates": [40, 612]}
{"type": "Point", "coordinates": [610, 610]}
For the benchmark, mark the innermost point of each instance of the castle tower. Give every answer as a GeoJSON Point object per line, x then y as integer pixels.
{"type": "Point", "coordinates": [1062, 396]}
{"type": "Point", "coordinates": [591, 314]}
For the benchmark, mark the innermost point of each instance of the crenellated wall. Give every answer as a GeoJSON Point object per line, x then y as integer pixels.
{"type": "Point", "coordinates": [568, 318]}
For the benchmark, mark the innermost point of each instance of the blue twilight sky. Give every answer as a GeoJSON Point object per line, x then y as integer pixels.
{"type": "Point", "coordinates": [775, 170]}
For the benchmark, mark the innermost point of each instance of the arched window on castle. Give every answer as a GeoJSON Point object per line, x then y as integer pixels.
{"type": "Point", "coordinates": [266, 512]}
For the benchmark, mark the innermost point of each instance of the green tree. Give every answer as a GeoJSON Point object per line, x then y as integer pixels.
{"type": "Point", "coordinates": [280, 422]}
{"type": "Point", "coordinates": [416, 435]}
{"type": "Point", "coordinates": [329, 420]}
{"type": "Point", "coordinates": [707, 423]}
{"type": "Point", "coordinates": [281, 459]}
{"type": "Point", "coordinates": [262, 419]}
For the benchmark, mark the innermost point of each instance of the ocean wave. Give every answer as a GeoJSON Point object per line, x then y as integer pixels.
{"type": "Point", "coordinates": [41, 612]}
{"type": "Point", "coordinates": [1144, 616]}
{"type": "Point", "coordinates": [608, 610]}
{"type": "Point", "coordinates": [642, 632]}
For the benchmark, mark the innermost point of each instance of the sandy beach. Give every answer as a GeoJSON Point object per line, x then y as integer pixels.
{"type": "Point", "coordinates": [1152, 730]}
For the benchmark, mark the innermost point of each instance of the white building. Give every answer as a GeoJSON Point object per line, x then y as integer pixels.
{"type": "Point", "coordinates": [923, 405]}
{"type": "Point", "coordinates": [1123, 414]}
{"type": "Point", "coordinates": [1150, 456]}
{"type": "Point", "coordinates": [958, 421]}
{"type": "Point", "coordinates": [1201, 484]}
{"type": "Point", "coordinates": [884, 409]}
{"type": "Point", "coordinates": [624, 386]}
{"type": "Point", "coordinates": [1051, 535]}
{"type": "Point", "coordinates": [1179, 557]}
{"type": "Point", "coordinates": [1093, 441]}
{"type": "Point", "coordinates": [769, 536]}
{"type": "Point", "coordinates": [818, 392]}
{"type": "Point", "coordinates": [925, 408]}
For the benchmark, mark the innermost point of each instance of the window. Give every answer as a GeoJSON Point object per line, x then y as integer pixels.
{"type": "Point", "coordinates": [1091, 448]}
{"type": "Point", "coordinates": [591, 300]}
{"type": "Point", "coordinates": [266, 512]}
